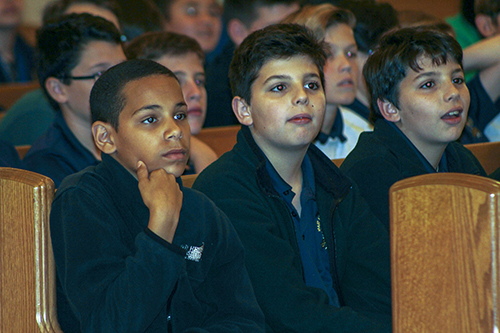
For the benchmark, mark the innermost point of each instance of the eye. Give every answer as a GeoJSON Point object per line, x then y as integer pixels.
{"type": "Point", "coordinates": [458, 80]}
{"type": "Point", "coordinates": [180, 116]}
{"type": "Point", "coordinates": [150, 120]}
{"type": "Point", "coordinates": [427, 85]}
{"type": "Point", "coordinates": [191, 11]}
{"type": "Point", "coordinates": [312, 85]}
{"type": "Point", "coordinates": [278, 88]}
{"type": "Point", "coordinates": [199, 82]}
{"type": "Point", "coordinates": [351, 54]}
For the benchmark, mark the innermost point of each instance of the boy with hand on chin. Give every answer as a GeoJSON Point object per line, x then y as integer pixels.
{"type": "Point", "coordinates": [126, 229]}
{"type": "Point", "coordinates": [420, 102]}
{"type": "Point", "coordinates": [317, 258]}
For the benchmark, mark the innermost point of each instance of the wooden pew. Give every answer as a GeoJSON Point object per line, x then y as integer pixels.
{"type": "Point", "coordinates": [11, 92]}
{"type": "Point", "coordinates": [220, 139]}
{"type": "Point", "coordinates": [488, 154]}
{"type": "Point", "coordinates": [27, 272]}
{"type": "Point", "coordinates": [445, 253]}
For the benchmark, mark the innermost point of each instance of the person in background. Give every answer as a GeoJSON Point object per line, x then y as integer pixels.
{"type": "Point", "coordinates": [198, 19]}
{"type": "Point", "coordinates": [32, 114]}
{"type": "Point", "coordinates": [16, 56]}
{"type": "Point", "coordinates": [341, 126]}
{"type": "Point", "coordinates": [373, 19]}
{"type": "Point", "coordinates": [139, 17]}
{"type": "Point", "coordinates": [73, 52]}
{"type": "Point", "coordinates": [183, 56]}
{"type": "Point", "coordinates": [241, 17]}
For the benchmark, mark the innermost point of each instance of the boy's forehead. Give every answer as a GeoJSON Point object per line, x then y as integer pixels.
{"type": "Point", "coordinates": [426, 61]}
{"type": "Point", "coordinates": [145, 83]}
{"type": "Point", "coordinates": [274, 65]}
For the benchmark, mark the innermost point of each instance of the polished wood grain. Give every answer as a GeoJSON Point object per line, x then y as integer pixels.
{"type": "Point", "coordinates": [445, 253]}
{"type": "Point", "coordinates": [27, 273]}
{"type": "Point", "coordinates": [488, 154]}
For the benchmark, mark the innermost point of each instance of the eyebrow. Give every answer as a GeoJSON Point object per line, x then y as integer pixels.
{"type": "Point", "coordinates": [430, 74]}
{"type": "Point", "coordinates": [152, 107]}
{"type": "Point", "coordinates": [288, 77]}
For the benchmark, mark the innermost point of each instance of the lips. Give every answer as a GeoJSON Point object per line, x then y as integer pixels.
{"type": "Point", "coordinates": [301, 119]}
{"type": "Point", "coordinates": [346, 83]}
{"type": "Point", "coordinates": [453, 116]}
{"type": "Point", "coordinates": [194, 112]}
{"type": "Point", "coordinates": [175, 154]}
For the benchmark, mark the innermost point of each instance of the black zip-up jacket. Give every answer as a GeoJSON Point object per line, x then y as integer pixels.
{"type": "Point", "coordinates": [383, 157]}
{"type": "Point", "coordinates": [116, 275]}
{"type": "Point", "coordinates": [358, 249]}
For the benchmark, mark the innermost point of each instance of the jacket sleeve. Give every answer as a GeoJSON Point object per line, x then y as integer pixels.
{"type": "Point", "coordinates": [103, 279]}
{"type": "Point", "coordinates": [273, 261]}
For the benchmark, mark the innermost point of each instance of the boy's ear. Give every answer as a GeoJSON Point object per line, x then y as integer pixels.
{"type": "Point", "coordinates": [103, 137]}
{"type": "Point", "coordinates": [485, 25]}
{"type": "Point", "coordinates": [388, 111]}
{"type": "Point", "coordinates": [56, 90]}
{"type": "Point", "coordinates": [237, 31]}
{"type": "Point", "coordinates": [242, 111]}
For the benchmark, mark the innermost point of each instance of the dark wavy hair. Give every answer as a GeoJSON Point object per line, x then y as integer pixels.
{"type": "Point", "coordinates": [279, 41]}
{"type": "Point", "coordinates": [400, 51]}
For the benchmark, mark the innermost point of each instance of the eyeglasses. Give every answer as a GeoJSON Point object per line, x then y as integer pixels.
{"type": "Point", "coordinates": [87, 77]}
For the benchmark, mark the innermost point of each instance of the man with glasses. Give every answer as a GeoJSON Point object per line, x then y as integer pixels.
{"type": "Point", "coordinates": [72, 53]}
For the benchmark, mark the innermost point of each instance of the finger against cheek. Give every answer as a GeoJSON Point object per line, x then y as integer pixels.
{"type": "Point", "coordinates": [142, 171]}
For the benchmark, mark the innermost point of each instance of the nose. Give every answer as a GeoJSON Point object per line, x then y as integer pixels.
{"type": "Point", "coordinates": [344, 63]}
{"type": "Point", "coordinates": [452, 93]}
{"type": "Point", "coordinates": [301, 97]}
{"type": "Point", "coordinates": [172, 131]}
{"type": "Point", "coordinates": [193, 91]}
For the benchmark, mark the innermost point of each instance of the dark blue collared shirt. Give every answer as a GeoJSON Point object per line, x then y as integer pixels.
{"type": "Point", "coordinates": [312, 244]}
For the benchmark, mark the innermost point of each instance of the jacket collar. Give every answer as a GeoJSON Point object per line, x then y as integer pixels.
{"type": "Point", "coordinates": [326, 174]}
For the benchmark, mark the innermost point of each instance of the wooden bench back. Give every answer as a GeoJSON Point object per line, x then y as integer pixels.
{"type": "Point", "coordinates": [220, 139]}
{"type": "Point", "coordinates": [487, 153]}
{"type": "Point", "coordinates": [445, 254]}
{"type": "Point", "coordinates": [27, 272]}
{"type": "Point", "coordinates": [10, 93]}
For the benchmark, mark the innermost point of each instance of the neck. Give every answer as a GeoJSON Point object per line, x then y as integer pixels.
{"type": "Point", "coordinates": [362, 95]}
{"type": "Point", "coordinates": [330, 114]}
{"type": "Point", "coordinates": [82, 131]}
{"type": "Point", "coordinates": [433, 154]}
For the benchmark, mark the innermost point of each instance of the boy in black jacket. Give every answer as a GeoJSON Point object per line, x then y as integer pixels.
{"type": "Point", "coordinates": [317, 258]}
{"type": "Point", "coordinates": [134, 250]}
{"type": "Point", "coordinates": [420, 103]}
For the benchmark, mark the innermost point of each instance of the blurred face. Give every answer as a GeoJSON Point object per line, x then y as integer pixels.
{"type": "Point", "coordinates": [268, 15]}
{"type": "Point", "coordinates": [341, 68]}
{"type": "Point", "coordinates": [97, 57]}
{"type": "Point", "coordinates": [287, 106]}
{"type": "Point", "coordinates": [198, 19]}
{"type": "Point", "coordinates": [433, 104]}
{"type": "Point", "coordinates": [79, 8]}
{"type": "Point", "coordinates": [189, 70]}
{"type": "Point", "coordinates": [153, 126]}
{"type": "Point", "coordinates": [10, 13]}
